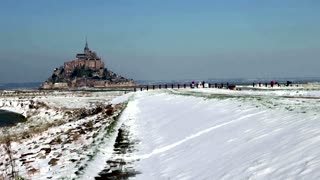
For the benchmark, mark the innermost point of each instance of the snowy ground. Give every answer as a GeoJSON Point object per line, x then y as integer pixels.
{"type": "Point", "coordinates": [63, 134]}
{"type": "Point", "coordinates": [195, 134]}
{"type": "Point", "coordinates": [259, 133]}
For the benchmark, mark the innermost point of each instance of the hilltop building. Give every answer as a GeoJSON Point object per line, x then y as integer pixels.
{"type": "Point", "coordinates": [87, 60]}
{"type": "Point", "coordinates": [86, 70]}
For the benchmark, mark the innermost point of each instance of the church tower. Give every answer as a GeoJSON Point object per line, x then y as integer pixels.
{"type": "Point", "coordinates": [86, 48]}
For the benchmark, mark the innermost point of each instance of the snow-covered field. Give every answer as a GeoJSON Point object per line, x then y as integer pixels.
{"type": "Point", "coordinates": [193, 134]}
{"type": "Point", "coordinates": [63, 133]}
{"type": "Point", "coordinates": [176, 134]}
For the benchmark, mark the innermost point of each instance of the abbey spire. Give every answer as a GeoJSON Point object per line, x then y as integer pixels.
{"type": "Point", "coordinates": [86, 48]}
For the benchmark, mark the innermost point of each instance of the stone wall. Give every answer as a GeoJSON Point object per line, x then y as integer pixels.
{"type": "Point", "coordinates": [50, 85]}
{"type": "Point", "coordinates": [83, 82]}
{"type": "Point", "coordinates": [71, 65]}
{"type": "Point", "coordinates": [79, 63]}
{"type": "Point", "coordinates": [94, 64]}
{"type": "Point", "coordinates": [47, 85]}
{"type": "Point", "coordinates": [120, 84]}
{"type": "Point", "coordinates": [60, 86]}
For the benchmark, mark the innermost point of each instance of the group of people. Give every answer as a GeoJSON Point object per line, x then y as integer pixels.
{"type": "Point", "coordinates": [272, 83]}
{"type": "Point", "coordinates": [199, 84]}
{"type": "Point", "coordinates": [204, 84]}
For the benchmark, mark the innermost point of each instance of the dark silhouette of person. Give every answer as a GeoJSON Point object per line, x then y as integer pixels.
{"type": "Point", "coordinates": [272, 83]}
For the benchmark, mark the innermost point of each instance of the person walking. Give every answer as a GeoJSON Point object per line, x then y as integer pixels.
{"type": "Point", "coordinates": [272, 83]}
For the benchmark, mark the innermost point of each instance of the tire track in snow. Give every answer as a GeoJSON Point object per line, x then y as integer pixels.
{"type": "Point", "coordinates": [193, 136]}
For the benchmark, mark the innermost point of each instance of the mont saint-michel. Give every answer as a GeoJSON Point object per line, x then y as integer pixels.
{"type": "Point", "coordinates": [86, 70]}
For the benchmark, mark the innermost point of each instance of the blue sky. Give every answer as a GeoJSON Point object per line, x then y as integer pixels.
{"type": "Point", "coordinates": [163, 39]}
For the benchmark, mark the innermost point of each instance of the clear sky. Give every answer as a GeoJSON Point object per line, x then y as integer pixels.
{"type": "Point", "coordinates": [162, 39]}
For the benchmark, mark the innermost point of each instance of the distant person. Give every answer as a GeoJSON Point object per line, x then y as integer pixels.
{"type": "Point", "coordinates": [253, 84]}
{"type": "Point", "coordinates": [192, 84]}
{"type": "Point", "coordinates": [259, 84]}
{"type": "Point", "coordinates": [272, 83]}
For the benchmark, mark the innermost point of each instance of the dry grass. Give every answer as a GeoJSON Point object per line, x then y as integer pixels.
{"type": "Point", "coordinates": [11, 172]}
{"type": "Point", "coordinates": [31, 132]}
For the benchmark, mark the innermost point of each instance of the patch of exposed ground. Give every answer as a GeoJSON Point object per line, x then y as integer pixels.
{"type": "Point", "coordinates": [118, 167]}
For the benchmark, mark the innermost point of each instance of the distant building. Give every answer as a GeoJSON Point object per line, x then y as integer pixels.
{"type": "Point", "coordinates": [88, 60]}
{"type": "Point", "coordinates": [86, 70]}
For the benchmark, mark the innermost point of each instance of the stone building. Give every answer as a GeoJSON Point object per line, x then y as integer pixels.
{"type": "Point", "coordinates": [86, 70]}
{"type": "Point", "coordinates": [87, 60]}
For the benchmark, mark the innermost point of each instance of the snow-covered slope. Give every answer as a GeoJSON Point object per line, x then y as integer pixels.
{"type": "Point", "coordinates": [187, 137]}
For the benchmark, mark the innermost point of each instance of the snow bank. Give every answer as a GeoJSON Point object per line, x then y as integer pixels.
{"type": "Point", "coordinates": [186, 137]}
{"type": "Point", "coordinates": [122, 99]}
